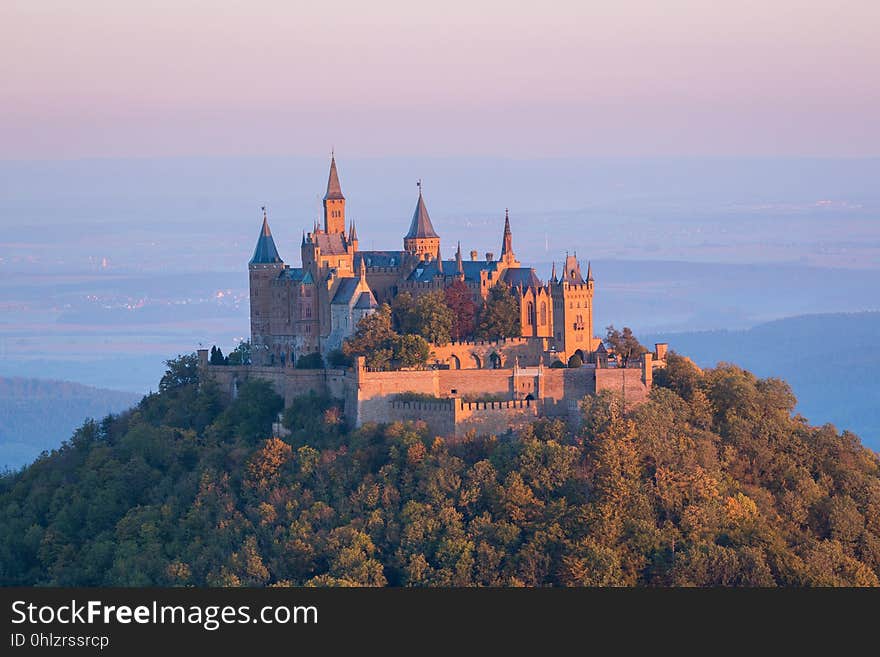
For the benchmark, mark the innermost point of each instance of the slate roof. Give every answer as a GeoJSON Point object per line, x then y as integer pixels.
{"type": "Point", "coordinates": [334, 190]}
{"type": "Point", "coordinates": [421, 223]}
{"type": "Point", "coordinates": [382, 258]}
{"type": "Point", "coordinates": [298, 275]}
{"type": "Point", "coordinates": [330, 243]}
{"type": "Point", "coordinates": [265, 252]}
{"type": "Point", "coordinates": [524, 276]}
{"type": "Point", "coordinates": [346, 291]}
{"type": "Point", "coordinates": [366, 301]}
{"type": "Point", "coordinates": [472, 268]}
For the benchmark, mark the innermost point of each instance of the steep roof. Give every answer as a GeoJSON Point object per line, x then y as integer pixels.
{"type": "Point", "coordinates": [346, 291]}
{"type": "Point", "coordinates": [334, 190]}
{"type": "Point", "coordinates": [366, 301]}
{"type": "Point", "coordinates": [265, 252]}
{"type": "Point", "coordinates": [524, 276]}
{"type": "Point", "coordinates": [330, 243]}
{"type": "Point", "coordinates": [421, 223]}
{"type": "Point", "coordinates": [426, 271]}
{"type": "Point", "coordinates": [382, 258]}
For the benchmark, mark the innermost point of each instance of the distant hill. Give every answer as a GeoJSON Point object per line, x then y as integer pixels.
{"type": "Point", "coordinates": [831, 361]}
{"type": "Point", "coordinates": [37, 414]}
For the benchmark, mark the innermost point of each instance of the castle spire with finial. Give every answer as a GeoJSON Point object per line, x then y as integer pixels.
{"type": "Point", "coordinates": [553, 272]}
{"type": "Point", "coordinates": [459, 264]}
{"type": "Point", "coordinates": [265, 252]}
{"type": "Point", "coordinates": [507, 243]}
{"type": "Point", "coordinates": [334, 201]}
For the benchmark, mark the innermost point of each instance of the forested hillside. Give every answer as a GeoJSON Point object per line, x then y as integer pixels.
{"type": "Point", "coordinates": [712, 482]}
{"type": "Point", "coordinates": [831, 361]}
{"type": "Point", "coordinates": [37, 414]}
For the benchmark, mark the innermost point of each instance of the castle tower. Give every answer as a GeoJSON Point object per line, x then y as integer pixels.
{"type": "Point", "coordinates": [508, 258]}
{"type": "Point", "coordinates": [353, 237]}
{"type": "Point", "coordinates": [421, 240]}
{"type": "Point", "coordinates": [334, 202]}
{"type": "Point", "coordinates": [264, 267]}
{"type": "Point", "coordinates": [573, 309]}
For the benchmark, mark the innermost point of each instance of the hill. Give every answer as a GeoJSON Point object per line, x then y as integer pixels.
{"type": "Point", "coordinates": [35, 414]}
{"type": "Point", "coordinates": [711, 482]}
{"type": "Point", "coordinates": [830, 360]}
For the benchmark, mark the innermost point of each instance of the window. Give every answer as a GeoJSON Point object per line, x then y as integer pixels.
{"type": "Point", "coordinates": [543, 313]}
{"type": "Point", "coordinates": [531, 313]}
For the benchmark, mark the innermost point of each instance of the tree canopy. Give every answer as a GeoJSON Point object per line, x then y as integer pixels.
{"type": "Point", "coordinates": [500, 315]}
{"type": "Point", "coordinates": [712, 482]}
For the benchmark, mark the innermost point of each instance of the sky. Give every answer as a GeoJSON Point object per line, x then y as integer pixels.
{"type": "Point", "coordinates": [104, 78]}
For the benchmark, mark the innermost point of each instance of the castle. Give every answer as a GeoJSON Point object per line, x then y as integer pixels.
{"type": "Point", "coordinates": [487, 386]}
{"type": "Point", "coordinates": [296, 311]}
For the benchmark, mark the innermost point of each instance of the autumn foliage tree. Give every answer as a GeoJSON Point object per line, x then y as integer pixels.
{"type": "Point", "coordinates": [460, 301]}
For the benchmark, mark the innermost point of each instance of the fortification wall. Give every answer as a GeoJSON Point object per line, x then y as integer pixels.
{"type": "Point", "coordinates": [287, 381]}
{"type": "Point", "coordinates": [374, 390]}
{"type": "Point", "coordinates": [439, 416]}
{"type": "Point", "coordinates": [562, 389]}
{"type": "Point", "coordinates": [628, 382]}
{"type": "Point", "coordinates": [474, 382]}
{"type": "Point", "coordinates": [476, 355]}
{"type": "Point", "coordinates": [493, 418]}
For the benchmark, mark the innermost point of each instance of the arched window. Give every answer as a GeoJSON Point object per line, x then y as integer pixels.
{"type": "Point", "coordinates": [543, 313]}
{"type": "Point", "coordinates": [531, 311]}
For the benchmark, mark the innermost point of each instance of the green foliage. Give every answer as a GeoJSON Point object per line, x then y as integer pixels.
{"type": "Point", "coordinates": [182, 371]}
{"type": "Point", "coordinates": [410, 350]}
{"type": "Point", "coordinates": [338, 359]}
{"type": "Point", "coordinates": [376, 340]}
{"type": "Point", "coordinates": [717, 486]}
{"type": "Point", "coordinates": [557, 365]}
{"type": "Point", "coordinates": [427, 316]}
{"type": "Point", "coordinates": [575, 361]}
{"type": "Point", "coordinates": [500, 315]}
{"type": "Point", "coordinates": [241, 355]}
{"type": "Point", "coordinates": [250, 416]}
{"type": "Point", "coordinates": [312, 361]}
{"type": "Point", "coordinates": [216, 356]}
{"type": "Point", "coordinates": [624, 343]}
{"type": "Point", "coordinates": [373, 338]}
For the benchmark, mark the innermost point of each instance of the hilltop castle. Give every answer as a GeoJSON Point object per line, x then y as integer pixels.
{"type": "Point", "coordinates": [312, 308]}
{"type": "Point", "coordinates": [485, 386]}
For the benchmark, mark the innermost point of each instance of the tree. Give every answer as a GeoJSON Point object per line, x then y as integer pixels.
{"type": "Point", "coordinates": [433, 318]}
{"type": "Point", "coordinates": [464, 311]}
{"type": "Point", "coordinates": [216, 356]}
{"type": "Point", "coordinates": [500, 316]}
{"type": "Point", "coordinates": [373, 338]}
{"type": "Point", "coordinates": [312, 361]}
{"type": "Point", "coordinates": [411, 350]}
{"type": "Point", "coordinates": [624, 344]}
{"type": "Point", "coordinates": [403, 317]}
{"type": "Point", "coordinates": [336, 358]}
{"type": "Point", "coordinates": [182, 371]}
{"type": "Point", "coordinates": [575, 361]}
{"type": "Point", "coordinates": [241, 355]}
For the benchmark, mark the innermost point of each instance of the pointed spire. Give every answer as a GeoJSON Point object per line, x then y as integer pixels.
{"type": "Point", "coordinates": [334, 189]}
{"type": "Point", "coordinates": [507, 244]}
{"type": "Point", "coordinates": [363, 272]}
{"type": "Point", "coordinates": [589, 270]}
{"type": "Point", "coordinates": [421, 223]}
{"type": "Point", "coordinates": [439, 263]}
{"type": "Point", "coordinates": [352, 233]}
{"type": "Point", "coordinates": [303, 243]}
{"type": "Point", "coordinates": [265, 252]}
{"type": "Point", "coordinates": [459, 265]}
{"type": "Point", "coordinates": [553, 272]}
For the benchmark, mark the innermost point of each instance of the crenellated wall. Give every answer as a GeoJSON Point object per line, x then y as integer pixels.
{"type": "Point", "coordinates": [373, 396]}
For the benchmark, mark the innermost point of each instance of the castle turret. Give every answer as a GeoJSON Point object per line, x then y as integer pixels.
{"type": "Point", "coordinates": [264, 267]}
{"type": "Point", "coordinates": [508, 259]}
{"type": "Point", "coordinates": [573, 309]}
{"type": "Point", "coordinates": [421, 240]}
{"type": "Point", "coordinates": [334, 202]}
{"type": "Point", "coordinates": [353, 237]}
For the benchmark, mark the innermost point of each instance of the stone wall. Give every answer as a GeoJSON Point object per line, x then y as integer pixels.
{"type": "Point", "coordinates": [627, 382]}
{"type": "Point", "coordinates": [477, 354]}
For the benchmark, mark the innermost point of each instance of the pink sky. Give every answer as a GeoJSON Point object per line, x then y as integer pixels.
{"type": "Point", "coordinates": [673, 77]}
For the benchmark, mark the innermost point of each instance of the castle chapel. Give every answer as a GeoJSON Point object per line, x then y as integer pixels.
{"type": "Point", "coordinates": [312, 308]}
